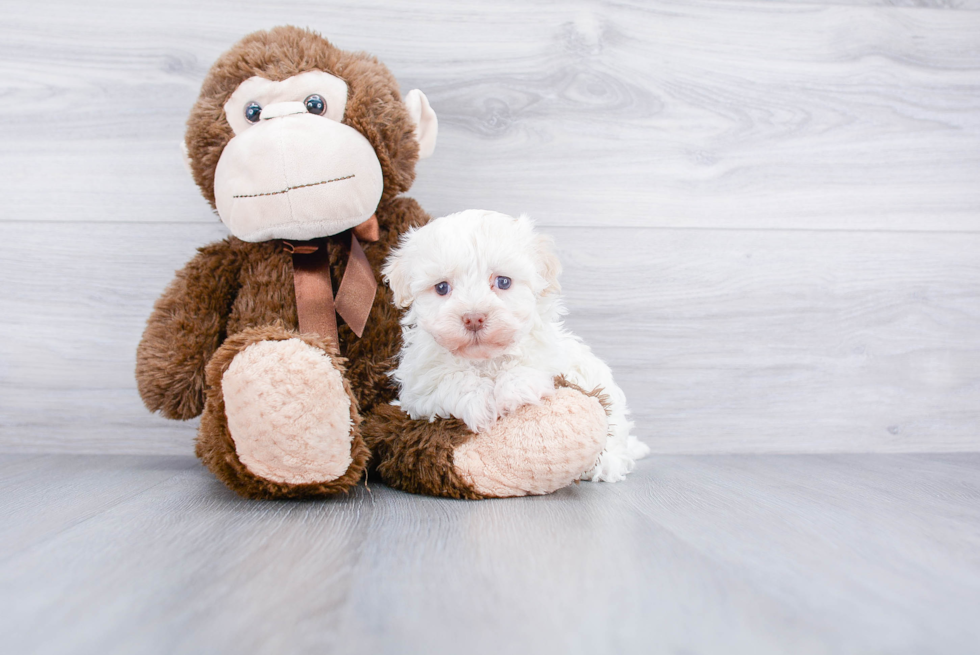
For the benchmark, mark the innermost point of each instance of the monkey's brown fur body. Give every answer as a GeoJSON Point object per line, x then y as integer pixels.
{"type": "Point", "coordinates": [235, 294]}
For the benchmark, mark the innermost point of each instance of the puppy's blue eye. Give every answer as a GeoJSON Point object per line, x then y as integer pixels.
{"type": "Point", "coordinates": [442, 288]}
{"type": "Point", "coordinates": [503, 283]}
{"type": "Point", "coordinates": [253, 112]}
{"type": "Point", "coordinates": [316, 105]}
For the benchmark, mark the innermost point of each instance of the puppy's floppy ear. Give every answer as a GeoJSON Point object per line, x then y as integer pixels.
{"type": "Point", "coordinates": [396, 274]}
{"type": "Point", "coordinates": [548, 264]}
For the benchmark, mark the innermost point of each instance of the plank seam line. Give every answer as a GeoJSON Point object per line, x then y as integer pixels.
{"type": "Point", "coordinates": [547, 227]}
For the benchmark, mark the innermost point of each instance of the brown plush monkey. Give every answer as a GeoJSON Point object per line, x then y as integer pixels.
{"type": "Point", "coordinates": [303, 150]}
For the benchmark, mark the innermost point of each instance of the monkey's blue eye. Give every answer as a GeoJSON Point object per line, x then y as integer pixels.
{"type": "Point", "coordinates": [442, 288]}
{"type": "Point", "coordinates": [253, 112]}
{"type": "Point", "coordinates": [316, 105]}
{"type": "Point", "coordinates": [503, 283]}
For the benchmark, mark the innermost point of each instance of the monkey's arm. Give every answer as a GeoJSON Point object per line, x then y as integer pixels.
{"type": "Point", "coordinates": [186, 327]}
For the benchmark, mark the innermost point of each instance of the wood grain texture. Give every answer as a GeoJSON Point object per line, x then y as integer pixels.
{"type": "Point", "coordinates": [706, 114]}
{"type": "Point", "coordinates": [725, 341]}
{"type": "Point", "coordinates": [703, 554]}
{"type": "Point", "coordinates": [767, 210]}
{"type": "Point", "coordinates": [762, 341]}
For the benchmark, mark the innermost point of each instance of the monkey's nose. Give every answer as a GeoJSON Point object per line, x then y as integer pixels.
{"type": "Point", "coordinates": [280, 109]}
{"type": "Point", "coordinates": [473, 321]}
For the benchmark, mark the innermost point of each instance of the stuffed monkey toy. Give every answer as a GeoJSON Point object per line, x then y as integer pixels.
{"type": "Point", "coordinates": [281, 336]}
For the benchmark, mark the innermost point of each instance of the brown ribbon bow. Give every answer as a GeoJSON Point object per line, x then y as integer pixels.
{"type": "Point", "coordinates": [315, 304]}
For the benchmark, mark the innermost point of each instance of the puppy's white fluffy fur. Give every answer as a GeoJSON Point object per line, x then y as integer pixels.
{"type": "Point", "coordinates": [478, 375]}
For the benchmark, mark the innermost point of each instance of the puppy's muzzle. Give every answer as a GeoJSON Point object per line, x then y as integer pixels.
{"type": "Point", "coordinates": [473, 321]}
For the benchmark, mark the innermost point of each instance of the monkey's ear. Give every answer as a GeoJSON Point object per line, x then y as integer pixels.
{"type": "Point", "coordinates": [187, 157]}
{"type": "Point", "coordinates": [426, 123]}
{"type": "Point", "coordinates": [395, 272]}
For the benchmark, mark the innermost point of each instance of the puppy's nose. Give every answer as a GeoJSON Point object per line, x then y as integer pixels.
{"type": "Point", "coordinates": [473, 321]}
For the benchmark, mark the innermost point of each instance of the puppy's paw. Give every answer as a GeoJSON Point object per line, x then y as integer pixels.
{"type": "Point", "coordinates": [476, 408]}
{"type": "Point", "coordinates": [521, 386]}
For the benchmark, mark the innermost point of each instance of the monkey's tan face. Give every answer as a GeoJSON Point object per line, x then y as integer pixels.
{"type": "Point", "coordinates": [293, 170]}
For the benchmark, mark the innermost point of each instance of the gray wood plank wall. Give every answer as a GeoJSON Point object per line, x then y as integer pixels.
{"type": "Point", "coordinates": [769, 212]}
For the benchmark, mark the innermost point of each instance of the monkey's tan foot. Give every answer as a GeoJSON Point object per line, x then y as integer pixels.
{"type": "Point", "coordinates": [280, 420]}
{"type": "Point", "coordinates": [537, 449]}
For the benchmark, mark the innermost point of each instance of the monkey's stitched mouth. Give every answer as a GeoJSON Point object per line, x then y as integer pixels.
{"type": "Point", "coordinates": [298, 186]}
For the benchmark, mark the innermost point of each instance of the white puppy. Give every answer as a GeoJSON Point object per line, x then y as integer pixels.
{"type": "Point", "coordinates": [483, 332]}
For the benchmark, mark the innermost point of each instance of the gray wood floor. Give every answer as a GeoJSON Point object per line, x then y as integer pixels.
{"type": "Point", "coordinates": [694, 554]}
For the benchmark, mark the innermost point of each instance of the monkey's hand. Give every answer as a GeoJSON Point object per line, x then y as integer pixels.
{"type": "Point", "coordinates": [186, 327]}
